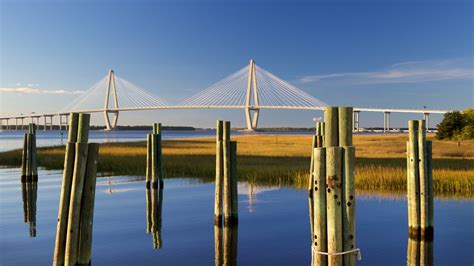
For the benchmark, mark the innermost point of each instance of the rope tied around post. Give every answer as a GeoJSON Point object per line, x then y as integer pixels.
{"type": "Point", "coordinates": [356, 252]}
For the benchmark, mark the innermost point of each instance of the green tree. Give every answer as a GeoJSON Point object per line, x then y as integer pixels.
{"type": "Point", "coordinates": [451, 126]}
{"type": "Point", "coordinates": [468, 129]}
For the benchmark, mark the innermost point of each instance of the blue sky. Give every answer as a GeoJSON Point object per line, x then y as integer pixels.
{"type": "Point", "coordinates": [401, 54]}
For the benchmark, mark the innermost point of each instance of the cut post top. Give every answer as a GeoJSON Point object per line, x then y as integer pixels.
{"type": "Point", "coordinates": [219, 128]}
{"type": "Point", "coordinates": [32, 128]}
{"type": "Point", "coordinates": [157, 128]}
{"type": "Point", "coordinates": [331, 138]}
{"type": "Point", "coordinates": [73, 123]}
{"type": "Point", "coordinates": [83, 127]}
{"type": "Point", "coordinates": [226, 130]}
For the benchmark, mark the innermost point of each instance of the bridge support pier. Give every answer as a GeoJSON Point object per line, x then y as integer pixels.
{"type": "Point", "coordinates": [386, 121]}
{"type": "Point", "coordinates": [108, 125]}
{"type": "Point", "coordinates": [251, 119]}
{"type": "Point", "coordinates": [356, 121]}
{"type": "Point", "coordinates": [426, 117]}
{"type": "Point", "coordinates": [61, 123]}
{"type": "Point", "coordinates": [46, 123]}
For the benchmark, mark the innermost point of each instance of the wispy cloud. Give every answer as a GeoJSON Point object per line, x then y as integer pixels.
{"type": "Point", "coordinates": [405, 72]}
{"type": "Point", "coordinates": [30, 90]}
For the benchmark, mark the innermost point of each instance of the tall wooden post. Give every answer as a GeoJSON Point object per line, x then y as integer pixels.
{"type": "Point", "coordinates": [319, 196]}
{"type": "Point", "coordinates": [413, 183]}
{"type": "Point", "coordinates": [218, 218]}
{"type": "Point", "coordinates": [333, 203]}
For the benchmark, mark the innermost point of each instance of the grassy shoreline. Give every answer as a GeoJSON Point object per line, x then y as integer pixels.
{"type": "Point", "coordinates": [281, 160]}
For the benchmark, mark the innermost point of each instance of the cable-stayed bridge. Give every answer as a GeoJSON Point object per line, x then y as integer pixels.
{"type": "Point", "coordinates": [251, 89]}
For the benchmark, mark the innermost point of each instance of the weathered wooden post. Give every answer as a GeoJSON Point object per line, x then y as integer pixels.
{"type": "Point", "coordinates": [430, 195]}
{"type": "Point", "coordinates": [148, 161]}
{"type": "Point", "coordinates": [333, 189]}
{"type": "Point", "coordinates": [159, 155]}
{"type": "Point", "coordinates": [88, 199]}
{"type": "Point", "coordinates": [63, 212]}
{"type": "Point", "coordinates": [226, 177]}
{"type": "Point", "coordinates": [317, 141]}
{"type": "Point", "coordinates": [345, 119]}
{"type": "Point", "coordinates": [227, 184]}
{"type": "Point", "coordinates": [419, 182]}
{"type": "Point", "coordinates": [24, 159]}
{"type": "Point", "coordinates": [333, 203]}
{"type": "Point", "coordinates": [234, 214]}
{"type": "Point", "coordinates": [319, 196]}
{"type": "Point", "coordinates": [76, 206]}
{"type": "Point", "coordinates": [72, 238]}
{"type": "Point", "coordinates": [218, 218]}
{"type": "Point", "coordinates": [413, 181]}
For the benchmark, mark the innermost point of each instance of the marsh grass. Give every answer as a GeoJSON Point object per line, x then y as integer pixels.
{"type": "Point", "coordinates": [282, 160]}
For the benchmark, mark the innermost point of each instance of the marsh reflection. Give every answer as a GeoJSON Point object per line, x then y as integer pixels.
{"type": "Point", "coordinates": [419, 252]}
{"type": "Point", "coordinates": [225, 245]}
{"type": "Point", "coordinates": [29, 194]}
{"type": "Point", "coordinates": [154, 206]}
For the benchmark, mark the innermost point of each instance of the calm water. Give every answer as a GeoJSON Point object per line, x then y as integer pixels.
{"type": "Point", "coordinates": [273, 225]}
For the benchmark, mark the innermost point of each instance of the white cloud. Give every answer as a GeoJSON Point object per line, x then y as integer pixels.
{"type": "Point", "coordinates": [405, 72]}
{"type": "Point", "coordinates": [29, 90]}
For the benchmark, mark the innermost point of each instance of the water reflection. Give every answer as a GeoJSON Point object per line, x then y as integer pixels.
{"type": "Point", "coordinates": [154, 206]}
{"type": "Point", "coordinates": [225, 245]}
{"type": "Point", "coordinates": [29, 195]}
{"type": "Point", "coordinates": [419, 252]}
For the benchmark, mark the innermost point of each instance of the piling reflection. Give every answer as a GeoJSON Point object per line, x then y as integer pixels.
{"type": "Point", "coordinates": [419, 252]}
{"type": "Point", "coordinates": [154, 206]}
{"type": "Point", "coordinates": [225, 245]}
{"type": "Point", "coordinates": [29, 195]}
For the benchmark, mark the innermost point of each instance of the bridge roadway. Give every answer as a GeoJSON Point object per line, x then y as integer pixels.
{"type": "Point", "coordinates": [357, 111]}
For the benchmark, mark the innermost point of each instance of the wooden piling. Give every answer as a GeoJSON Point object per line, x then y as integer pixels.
{"type": "Point", "coordinates": [72, 238]}
{"type": "Point", "coordinates": [233, 182]}
{"type": "Point", "coordinates": [319, 229]}
{"type": "Point", "coordinates": [413, 184]}
{"type": "Point", "coordinates": [310, 185]}
{"type": "Point", "coordinates": [87, 209]}
{"type": "Point", "coordinates": [149, 164]}
{"type": "Point", "coordinates": [333, 202]}
{"type": "Point", "coordinates": [34, 160]}
{"type": "Point", "coordinates": [154, 160]}
{"type": "Point", "coordinates": [345, 116]}
{"type": "Point", "coordinates": [64, 201]}
{"type": "Point", "coordinates": [331, 138]}
{"type": "Point", "coordinates": [227, 185]}
{"type": "Point", "coordinates": [422, 176]}
{"type": "Point", "coordinates": [73, 124]}
{"type": "Point", "coordinates": [430, 195]}
{"type": "Point", "coordinates": [218, 218]}
{"type": "Point", "coordinates": [348, 203]}
{"type": "Point", "coordinates": [24, 159]}
{"type": "Point", "coordinates": [157, 128]}
{"type": "Point", "coordinates": [29, 155]}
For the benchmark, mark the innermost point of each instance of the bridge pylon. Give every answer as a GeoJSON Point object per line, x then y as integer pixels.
{"type": "Point", "coordinates": [111, 84]}
{"type": "Point", "coordinates": [251, 100]}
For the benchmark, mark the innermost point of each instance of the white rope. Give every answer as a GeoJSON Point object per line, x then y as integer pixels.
{"type": "Point", "coordinates": [356, 252]}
